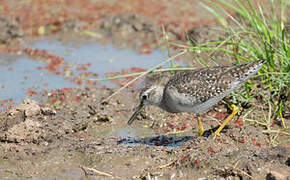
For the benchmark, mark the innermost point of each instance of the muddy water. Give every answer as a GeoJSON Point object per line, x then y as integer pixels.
{"type": "Point", "coordinates": [24, 75]}
{"type": "Point", "coordinates": [20, 73]}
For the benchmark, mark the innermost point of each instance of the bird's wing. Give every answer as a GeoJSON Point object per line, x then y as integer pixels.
{"type": "Point", "coordinates": [201, 84]}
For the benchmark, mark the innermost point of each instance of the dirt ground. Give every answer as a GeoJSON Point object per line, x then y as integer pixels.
{"type": "Point", "coordinates": [69, 134]}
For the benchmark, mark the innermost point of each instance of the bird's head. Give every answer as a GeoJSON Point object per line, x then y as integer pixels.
{"type": "Point", "coordinates": [148, 96]}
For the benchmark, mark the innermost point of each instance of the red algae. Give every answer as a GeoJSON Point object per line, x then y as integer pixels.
{"type": "Point", "coordinates": [10, 69]}
{"type": "Point", "coordinates": [54, 61]}
{"type": "Point", "coordinates": [31, 92]}
{"type": "Point", "coordinates": [239, 122]}
{"type": "Point", "coordinates": [10, 50]}
{"type": "Point", "coordinates": [242, 140]}
{"type": "Point", "coordinates": [211, 151]}
{"type": "Point", "coordinates": [5, 103]}
{"type": "Point", "coordinates": [56, 65]}
{"type": "Point", "coordinates": [145, 49]}
{"type": "Point", "coordinates": [256, 143]}
{"type": "Point", "coordinates": [58, 95]}
{"type": "Point", "coordinates": [219, 115]}
{"type": "Point", "coordinates": [136, 69]}
{"type": "Point", "coordinates": [91, 11]}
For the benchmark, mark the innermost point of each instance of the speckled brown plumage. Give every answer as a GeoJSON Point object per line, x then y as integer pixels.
{"type": "Point", "coordinates": [205, 83]}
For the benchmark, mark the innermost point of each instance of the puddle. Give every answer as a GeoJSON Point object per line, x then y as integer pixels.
{"type": "Point", "coordinates": [104, 58]}
{"type": "Point", "coordinates": [22, 73]}
{"type": "Point", "coordinates": [125, 132]}
{"type": "Point", "coordinates": [135, 136]}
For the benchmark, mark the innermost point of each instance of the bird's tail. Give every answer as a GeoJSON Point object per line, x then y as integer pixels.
{"type": "Point", "coordinates": [250, 69]}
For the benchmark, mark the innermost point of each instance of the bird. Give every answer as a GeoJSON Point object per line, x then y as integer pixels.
{"type": "Point", "coordinates": [198, 90]}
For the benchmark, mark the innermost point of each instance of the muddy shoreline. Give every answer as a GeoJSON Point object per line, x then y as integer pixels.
{"type": "Point", "coordinates": [82, 132]}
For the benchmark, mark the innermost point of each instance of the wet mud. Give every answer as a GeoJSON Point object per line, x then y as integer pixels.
{"type": "Point", "coordinates": [55, 141]}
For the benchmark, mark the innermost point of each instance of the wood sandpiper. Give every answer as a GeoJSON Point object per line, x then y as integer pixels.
{"type": "Point", "coordinates": [198, 90]}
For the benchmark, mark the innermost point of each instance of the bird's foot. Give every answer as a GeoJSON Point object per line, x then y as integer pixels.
{"type": "Point", "coordinates": [215, 134]}
{"type": "Point", "coordinates": [201, 131]}
{"type": "Point", "coordinates": [230, 117]}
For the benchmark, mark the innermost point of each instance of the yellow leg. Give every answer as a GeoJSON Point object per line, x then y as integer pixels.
{"type": "Point", "coordinates": [230, 117]}
{"type": "Point", "coordinates": [282, 120]}
{"type": "Point", "coordinates": [201, 130]}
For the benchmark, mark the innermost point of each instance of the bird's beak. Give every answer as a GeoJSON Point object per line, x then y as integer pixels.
{"type": "Point", "coordinates": [139, 108]}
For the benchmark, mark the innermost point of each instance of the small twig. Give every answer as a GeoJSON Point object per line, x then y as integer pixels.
{"type": "Point", "coordinates": [236, 164]}
{"type": "Point", "coordinates": [243, 172]}
{"type": "Point", "coordinates": [166, 165]}
{"type": "Point", "coordinates": [237, 169]}
{"type": "Point", "coordinates": [276, 131]}
{"type": "Point", "coordinates": [177, 132]}
{"type": "Point", "coordinates": [255, 121]}
{"type": "Point", "coordinates": [97, 172]}
{"type": "Point", "coordinates": [174, 161]}
{"type": "Point", "coordinates": [273, 138]}
{"type": "Point", "coordinates": [143, 74]}
{"type": "Point", "coordinates": [86, 174]}
{"type": "Point", "coordinates": [155, 168]}
{"type": "Point", "coordinates": [149, 176]}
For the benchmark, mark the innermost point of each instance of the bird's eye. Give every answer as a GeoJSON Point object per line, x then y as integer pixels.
{"type": "Point", "coordinates": [144, 97]}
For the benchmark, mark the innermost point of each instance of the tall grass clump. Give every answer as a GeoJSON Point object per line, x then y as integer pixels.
{"type": "Point", "coordinates": [256, 30]}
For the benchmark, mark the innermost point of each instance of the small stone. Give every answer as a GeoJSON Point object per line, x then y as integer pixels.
{"type": "Point", "coordinates": [278, 174]}
{"type": "Point", "coordinates": [103, 118]}
{"type": "Point", "coordinates": [48, 111]}
{"type": "Point", "coordinates": [29, 107]}
{"type": "Point", "coordinates": [172, 176]}
{"type": "Point", "coordinates": [10, 29]}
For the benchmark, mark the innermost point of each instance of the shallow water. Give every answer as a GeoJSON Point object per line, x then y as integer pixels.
{"type": "Point", "coordinates": [20, 73]}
